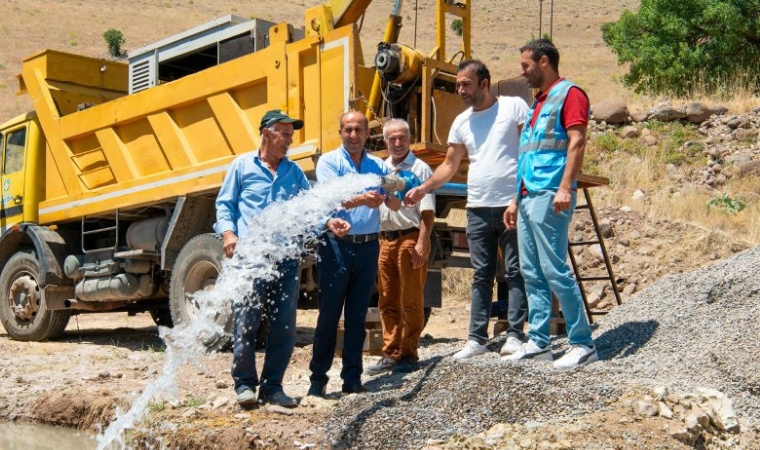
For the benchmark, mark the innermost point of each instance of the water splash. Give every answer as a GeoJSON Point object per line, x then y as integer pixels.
{"type": "Point", "coordinates": [285, 230]}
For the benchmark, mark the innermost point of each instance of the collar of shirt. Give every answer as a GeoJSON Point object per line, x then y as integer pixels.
{"type": "Point", "coordinates": [541, 95]}
{"type": "Point", "coordinates": [347, 156]}
{"type": "Point", "coordinates": [406, 164]}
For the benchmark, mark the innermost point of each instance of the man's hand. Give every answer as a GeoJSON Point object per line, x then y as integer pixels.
{"type": "Point", "coordinates": [420, 253]}
{"type": "Point", "coordinates": [339, 227]}
{"type": "Point", "coordinates": [229, 240]}
{"type": "Point", "coordinates": [510, 215]}
{"type": "Point", "coordinates": [373, 199]}
{"type": "Point", "coordinates": [415, 195]}
{"type": "Point", "coordinates": [562, 200]}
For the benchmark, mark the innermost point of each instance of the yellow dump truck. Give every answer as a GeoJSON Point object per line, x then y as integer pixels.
{"type": "Point", "coordinates": [108, 186]}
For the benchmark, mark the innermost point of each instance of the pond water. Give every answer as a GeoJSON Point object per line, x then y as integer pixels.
{"type": "Point", "coordinates": [26, 436]}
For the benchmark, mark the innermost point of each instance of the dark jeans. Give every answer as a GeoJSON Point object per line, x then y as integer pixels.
{"type": "Point", "coordinates": [486, 235]}
{"type": "Point", "coordinates": [347, 277]}
{"type": "Point", "coordinates": [278, 299]}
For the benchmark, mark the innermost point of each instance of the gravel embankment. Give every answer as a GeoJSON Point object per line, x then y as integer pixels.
{"type": "Point", "coordinates": [698, 329]}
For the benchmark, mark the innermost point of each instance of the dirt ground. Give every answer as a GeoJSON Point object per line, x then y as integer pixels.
{"type": "Point", "coordinates": [104, 361]}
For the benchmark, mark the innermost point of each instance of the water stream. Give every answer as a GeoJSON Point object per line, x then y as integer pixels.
{"type": "Point", "coordinates": [284, 230]}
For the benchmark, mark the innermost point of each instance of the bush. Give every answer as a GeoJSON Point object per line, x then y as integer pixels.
{"type": "Point", "coordinates": [675, 47]}
{"type": "Point", "coordinates": [457, 27]}
{"type": "Point", "coordinates": [115, 39]}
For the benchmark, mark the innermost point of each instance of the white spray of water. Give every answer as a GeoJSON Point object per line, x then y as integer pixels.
{"type": "Point", "coordinates": [283, 231]}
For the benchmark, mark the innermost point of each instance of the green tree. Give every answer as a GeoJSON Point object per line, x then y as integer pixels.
{"type": "Point", "coordinates": [115, 39]}
{"type": "Point", "coordinates": [673, 47]}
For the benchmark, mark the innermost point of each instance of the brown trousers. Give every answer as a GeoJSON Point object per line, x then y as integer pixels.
{"type": "Point", "coordinates": [401, 297]}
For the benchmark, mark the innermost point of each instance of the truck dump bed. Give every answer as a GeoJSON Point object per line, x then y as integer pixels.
{"type": "Point", "coordinates": [109, 150]}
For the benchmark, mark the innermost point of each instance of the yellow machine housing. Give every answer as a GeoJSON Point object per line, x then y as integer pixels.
{"type": "Point", "coordinates": [105, 193]}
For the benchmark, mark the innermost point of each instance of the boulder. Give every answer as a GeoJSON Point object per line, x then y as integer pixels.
{"type": "Point", "coordinates": [749, 168]}
{"type": "Point", "coordinates": [697, 112]}
{"type": "Point", "coordinates": [667, 113]}
{"type": "Point", "coordinates": [640, 116]}
{"type": "Point", "coordinates": [610, 111]}
{"type": "Point", "coordinates": [718, 110]}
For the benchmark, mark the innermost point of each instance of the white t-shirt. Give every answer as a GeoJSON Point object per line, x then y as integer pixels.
{"type": "Point", "coordinates": [492, 139]}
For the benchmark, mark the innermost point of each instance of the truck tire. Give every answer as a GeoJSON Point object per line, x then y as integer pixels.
{"type": "Point", "coordinates": [162, 317]}
{"type": "Point", "coordinates": [197, 268]}
{"type": "Point", "coordinates": [22, 311]}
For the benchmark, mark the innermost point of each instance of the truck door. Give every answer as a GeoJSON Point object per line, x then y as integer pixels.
{"type": "Point", "coordinates": [12, 177]}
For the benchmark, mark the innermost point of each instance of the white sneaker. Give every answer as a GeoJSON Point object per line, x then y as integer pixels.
{"type": "Point", "coordinates": [530, 351]}
{"type": "Point", "coordinates": [578, 355]}
{"type": "Point", "coordinates": [471, 348]}
{"type": "Point", "coordinates": [511, 346]}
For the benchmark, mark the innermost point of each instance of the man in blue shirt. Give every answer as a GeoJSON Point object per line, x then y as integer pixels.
{"type": "Point", "coordinates": [254, 181]}
{"type": "Point", "coordinates": [348, 264]}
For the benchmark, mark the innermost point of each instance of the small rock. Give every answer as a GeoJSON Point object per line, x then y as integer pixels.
{"type": "Point", "coordinates": [648, 140]}
{"type": "Point", "coordinates": [219, 401]}
{"type": "Point", "coordinates": [644, 408]}
{"type": "Point", "coordinates": [638, 195]}
{"type": "Point", "coordinates": [664, 411]}
{"type": "Point", "coordinates": [277, 409]}
{"type": "Point", "coordinates": [629, 132]}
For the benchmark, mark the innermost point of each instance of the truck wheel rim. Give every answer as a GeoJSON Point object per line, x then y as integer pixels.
{"type": "Point", "coordinates": [24, 298]}
{"type": "Point", "coordinates": [201, 277]}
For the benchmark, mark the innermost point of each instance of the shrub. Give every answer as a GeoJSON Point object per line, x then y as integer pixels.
{"type": "Point", "coordinates": [456, 27]}
{"type": "Point", "coordinates": [115, 39]}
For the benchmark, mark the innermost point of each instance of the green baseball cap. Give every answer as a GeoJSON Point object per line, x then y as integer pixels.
{"type": "Point", "coordinates": [272, 117]}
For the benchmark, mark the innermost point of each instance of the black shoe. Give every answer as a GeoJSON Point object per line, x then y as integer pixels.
{"type": "Point", "coordinates": [406, 364]}
{"type": "Point", "coordinates": [317, 390]}
{"type": "Point", "coordinates": [353, 388]}
{"type": "Point", "coordinates": [278, 398]}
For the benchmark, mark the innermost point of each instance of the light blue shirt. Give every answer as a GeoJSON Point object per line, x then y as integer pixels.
{"type": "Point", "coordinates": [250, 186]}
{"type": "Point", "coordinates": [337, 163]}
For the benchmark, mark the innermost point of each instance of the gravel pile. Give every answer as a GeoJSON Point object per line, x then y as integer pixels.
{"type": "Point", "coordinates": [683, 332]}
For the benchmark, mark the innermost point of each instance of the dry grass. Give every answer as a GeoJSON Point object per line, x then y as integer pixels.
{"type": "Point", "coordinates": [663, 172]}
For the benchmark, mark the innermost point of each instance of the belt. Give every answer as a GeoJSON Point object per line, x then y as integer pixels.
{"type": "Point", "coordinates": [355, 238]}
{"type": "Point", "coordinates": [392, 235]}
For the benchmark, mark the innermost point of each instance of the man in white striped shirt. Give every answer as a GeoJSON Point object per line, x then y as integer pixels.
{"type": "Point", "coordinates": [404, 249]}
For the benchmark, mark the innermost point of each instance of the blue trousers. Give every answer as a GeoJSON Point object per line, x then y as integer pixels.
{"type": "Point", "coordinates": [486, 235]}
{"type": "Point", "coordinates": [347, 277]}
{"type": "Point", "coordinates": [278, 299]}
{"type": "Point", "coordinates": [543, 260]}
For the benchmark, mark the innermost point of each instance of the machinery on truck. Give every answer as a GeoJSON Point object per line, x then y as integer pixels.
{"type": "Point", "coordinates": [108, 186]}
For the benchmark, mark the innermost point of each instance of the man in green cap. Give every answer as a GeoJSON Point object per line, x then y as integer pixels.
{"type": "Point", "coordinates": [254, 181]}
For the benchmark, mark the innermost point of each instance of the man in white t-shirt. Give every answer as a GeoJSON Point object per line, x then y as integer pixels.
{"type": "Point", "coordinates": [488, 132]}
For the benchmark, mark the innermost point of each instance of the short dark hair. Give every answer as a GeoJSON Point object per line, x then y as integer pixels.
{"type": "Point", "coordinates": [480, 69]}
{"type": "Point", "coordinates": [541, 47]}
